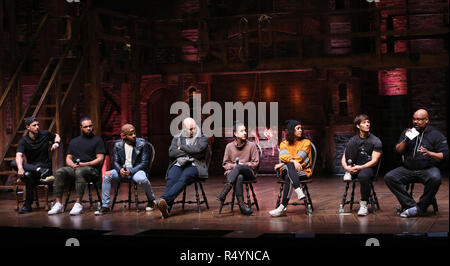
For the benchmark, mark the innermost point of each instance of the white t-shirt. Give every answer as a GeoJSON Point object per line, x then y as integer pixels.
{"type": "Point", "coordinates": [128, 156]}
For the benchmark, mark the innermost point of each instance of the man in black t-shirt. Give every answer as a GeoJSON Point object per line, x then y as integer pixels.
{"type": "Point", "coordinates": [361, 155]}
{"type": "Point", "coordinates": [34, 146]}
{"type": "Point", "coordinates": [84, 160]}
{"type": "Point", "coordinates": [422, 155]}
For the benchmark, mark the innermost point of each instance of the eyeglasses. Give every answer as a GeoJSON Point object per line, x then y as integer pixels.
{"type": "Point", "coordinates": [418, 119]}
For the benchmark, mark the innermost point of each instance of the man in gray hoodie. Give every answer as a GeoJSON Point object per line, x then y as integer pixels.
{"type": "Point", "coordinates": [188, 150]}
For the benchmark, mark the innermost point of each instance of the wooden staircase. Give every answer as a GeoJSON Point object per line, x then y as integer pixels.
{"type": "Point", "coordinates": [54, 97]}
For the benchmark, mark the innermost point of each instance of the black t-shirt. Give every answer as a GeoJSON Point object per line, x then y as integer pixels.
{"type": "Point", "coordinates": [432, 140]}
{"type": "Point", "coordinates": [37, 151]}
{"type": "Point", "coordinates": [86, 148]}
{"type": "Point", "coordinates": [360, 150]}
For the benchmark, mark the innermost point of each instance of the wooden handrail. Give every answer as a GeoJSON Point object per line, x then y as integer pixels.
{"type": "Point", "coordinates": [22, 62]}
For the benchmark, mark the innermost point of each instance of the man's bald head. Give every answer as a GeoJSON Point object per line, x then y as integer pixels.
{"type": "Point", "coordinates": [420, 119]}
{"type": "Point", "coordinates": [189, 126]}
{"type": "Point", "coordinates": [422, 113]}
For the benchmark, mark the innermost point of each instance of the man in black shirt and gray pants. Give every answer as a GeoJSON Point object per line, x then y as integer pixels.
{"type": "Point", "coordinates": [34, 147]}
{"type": "Point", "coordinates": [84, 160]}
{"type": "Point", "coordinates": [362, 153]}
{"type": "Point", "coordinates": [422, 154]}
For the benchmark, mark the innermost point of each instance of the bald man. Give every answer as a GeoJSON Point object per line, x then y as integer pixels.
{"type": "Point", "coordinates": [131, 157]}
{"type": "Point", "coordinates": [187, 152]}
{"type": "Point", "coordinates": [422, 156]}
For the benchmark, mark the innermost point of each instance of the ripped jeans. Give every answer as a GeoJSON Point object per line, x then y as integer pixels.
{"type": "Point", "coordinates": [139, 177]}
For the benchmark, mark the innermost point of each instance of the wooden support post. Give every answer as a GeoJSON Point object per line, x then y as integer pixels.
{"type": "Point", "coordinates": [135, 80]}
{"type": "Point", "coordinates": [2, 125]}
{"type": "Point", "coordinates": [93, 95]}
{"type": "Point", "coordinates": [58, 114]}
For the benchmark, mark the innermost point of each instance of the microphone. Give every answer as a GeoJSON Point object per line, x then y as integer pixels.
{"type": "Point", "coordinates": [237, 160]}
{"type": "Point", "coordinates": [350, 162]}
{"type": "Point", "coordinates": [77, 161]}
{"type": "Point", "coordinates": [124, 167]}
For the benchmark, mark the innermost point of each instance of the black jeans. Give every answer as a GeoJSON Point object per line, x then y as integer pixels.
{"type": "Point", "coordinates": [291, 176]}
{"type": "Point", "coordinates": [240, 173]}
{"type": "Point", "coordinates": [400, 177]}
{"type": "Point", "coordinates": [365, 178]}
{"type": "Point", "coordinates": [32, 181]}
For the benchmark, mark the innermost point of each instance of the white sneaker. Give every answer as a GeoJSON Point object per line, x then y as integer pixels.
{"type": "Point", "coordinates": [278, 212]}
{"type": "Point", "coordinates": [57, 208]}
{"type": "Point", "coordinates": [300, 194]}
{"type": "Point", "coordinates": [363, 211]}
{"type": "Point", "coordinates": [77, 209]}
{"type": "Point", "coordinates": [347, 177]}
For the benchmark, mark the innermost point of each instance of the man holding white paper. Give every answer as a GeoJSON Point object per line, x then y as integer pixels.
{"type": "Point", "coordinates": [423, 148]}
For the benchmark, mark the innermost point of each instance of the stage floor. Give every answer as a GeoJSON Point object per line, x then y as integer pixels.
{"type": "Point", "coordinates": [326, 193]}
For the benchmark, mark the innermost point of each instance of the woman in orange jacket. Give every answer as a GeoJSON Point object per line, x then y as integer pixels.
{"type": "Point", "coordinates": [295, 157]}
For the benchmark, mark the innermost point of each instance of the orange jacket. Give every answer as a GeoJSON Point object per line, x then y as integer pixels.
{"type": "Point", "coordinates": [300, 151]}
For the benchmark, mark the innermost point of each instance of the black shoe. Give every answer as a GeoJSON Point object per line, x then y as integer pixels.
{"type": "Point", "coordinates": [102, 211]}
{"type": "Point", "coordinates": [245, 209]}
{"type": "Point", "coordinates": [25, 209]}
{"type": "Point", "coordinates": [43, 172]}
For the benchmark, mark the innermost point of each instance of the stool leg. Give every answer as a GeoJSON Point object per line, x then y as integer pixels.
{"type": "Point", "coordinates": [233, 198]}
{"type": "Point", "coordinates": [99, 198]}
{"type": "Point", "coordinates": [204, 195]}
{"type": "Point", "coordinates": [249, 201]}
{"type": "Point", "coordinates": [115, 195]}
{"type": "Point", "coordinates": [375, 198]}
{"type": "Point", "coordinates": [197, 197]}
{"type": "Point", "coordinates": [46, 197]}
{"type": "Point", "coordinates": [309, 197]}
{"type": "Point", "coordinates": [352, 196]}
{"type": "Point", "coordinates": [254, 197]}
{"type": "Point", "coordinates": [129, 195]}
{"type": "Point", "coordinates": [279, 195]}
{"type": "Point", "coordinates": [90, 195]}
{"type": "Point", "coordinates": [136, 196]}
{"type": "Point", "coordinates": [184, 198]}
{"type": "Point", "coordinates": [68, 195]}
{"type": "Point", "coordinates": [36, 197]}
{"type": "Point", "coordinates": [16, 192]}
{"type": "Point", "coordinates": [344, 198]}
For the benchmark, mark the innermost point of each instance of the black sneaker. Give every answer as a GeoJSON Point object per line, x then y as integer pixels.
{"type": "Point", "coordinates": [102, 211]}
{"type": "Point", "coordinates": [25, 209]}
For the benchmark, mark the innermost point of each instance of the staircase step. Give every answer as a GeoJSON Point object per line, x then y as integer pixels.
{"type": "Point", "coordinates": [9, 159]}
{"type": "Point", "coordinates": [45, 118]}
{"type": "Point", "coordinates": [14, 145]}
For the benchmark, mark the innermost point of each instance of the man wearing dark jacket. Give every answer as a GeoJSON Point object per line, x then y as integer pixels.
{"type": "Point", "coordinates": [131, 158]}
{"type": "Point", "coordinates": [422, 154]}
{"type": "Point", "coordinates": [187, 151]}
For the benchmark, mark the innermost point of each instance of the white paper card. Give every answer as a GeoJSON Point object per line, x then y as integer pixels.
{"type": "Point", "coordinates": [412, 133]}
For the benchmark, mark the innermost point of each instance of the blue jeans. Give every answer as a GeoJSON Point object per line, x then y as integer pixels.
{"type": "Point", "coordinates": [177, 179]}
{"type": "Point", "coordinates": [139, 177]}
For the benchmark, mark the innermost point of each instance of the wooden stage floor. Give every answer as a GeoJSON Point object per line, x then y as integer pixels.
{"type": "Point", "coordinates": [326, 193]}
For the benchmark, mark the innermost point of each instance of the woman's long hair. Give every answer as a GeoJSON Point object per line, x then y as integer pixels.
{"type": "Point", "coordinates": [290, 136]}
